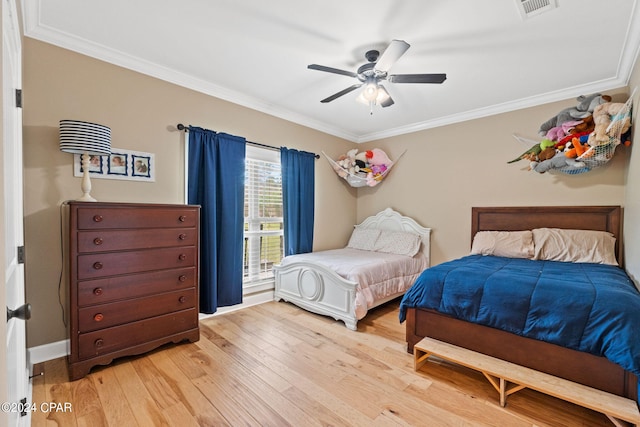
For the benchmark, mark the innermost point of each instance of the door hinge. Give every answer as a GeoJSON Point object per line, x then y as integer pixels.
{"type": "Point", "coordinates": [20, 254]}
{"type": "Point", "coordinates": [19, 98]}
{"type": "Point", "coordinates": [23, 405]}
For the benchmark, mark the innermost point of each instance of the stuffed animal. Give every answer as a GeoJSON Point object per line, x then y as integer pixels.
{"type": "Point", "coordinates": [346, 163]}
{"type": "Point", "coordinates": [602, 117]}
{"type": "Point", "coordinates": [585, 126]}
{"type": "Point", "coordinates": [361, 159]}
{"type": "Point", "coordinates": [378, 157]}
{"type": "Point", "coordinates": [559, 132]}
{"type": "Point", "coordinates": [546, 154]}
{"type": "Point", "coordinates": [590, 102]}
{"type": "Point", "coordinates": [586, 105]}
{"type": "Point", "coordinates": [556, 162]}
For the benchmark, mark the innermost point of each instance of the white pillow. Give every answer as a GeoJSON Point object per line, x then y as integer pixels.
{"type": "Point", "coordinates": [398, 242]}
{"type": "Point", "coordinates": [363, 238]}
{"type": "Point", "coordinates": [558, 244]}
{"type": "Point", "coordinates": [511, 244]}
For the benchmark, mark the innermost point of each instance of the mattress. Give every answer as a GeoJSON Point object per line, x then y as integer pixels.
{"type": "Point", "coordinates": [378, 275]}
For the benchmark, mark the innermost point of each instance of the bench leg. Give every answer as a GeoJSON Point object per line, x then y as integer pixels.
{"type": "Point", "coordinates": [419, 358]}
{"type": "Point", "coordinates": [619, 423]}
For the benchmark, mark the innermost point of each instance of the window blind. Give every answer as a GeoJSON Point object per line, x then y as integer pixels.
{"type": "Point", "coordinates": [263, 228]}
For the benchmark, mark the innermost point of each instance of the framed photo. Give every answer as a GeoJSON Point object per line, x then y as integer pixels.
{"type": "Point", "coordinates": [120, 164]}
{"type": "Point", "coordinates": [141, 165]}
{"type": "Point", "coordinates": [95, 165]}
{"type": "Point", "coordinates": [117, 163]}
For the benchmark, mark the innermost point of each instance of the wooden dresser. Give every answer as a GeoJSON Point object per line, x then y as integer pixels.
{"type": "Point", "coordinates": [133, 280]}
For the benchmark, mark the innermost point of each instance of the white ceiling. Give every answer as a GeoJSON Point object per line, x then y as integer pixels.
{"type": "Point", "coordinates": [255, 53]}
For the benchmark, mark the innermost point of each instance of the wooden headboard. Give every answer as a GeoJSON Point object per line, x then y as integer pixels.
{"type": "Point", "coordinates": [601, 218]}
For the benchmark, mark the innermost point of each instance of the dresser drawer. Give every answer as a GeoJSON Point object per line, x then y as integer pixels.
{"type": "Point", "coordinates": [120, 337]}
{"type": "Point", "coordinates": [116, 240]}
{"type": "Point", "coordinates": [100, 291]}
{"type": "Point", "coordinates": [113, 217]}
{"type": "Point", "coordinates": [116, 313]}
{"type": "Point", "coordinates": [114, 263]}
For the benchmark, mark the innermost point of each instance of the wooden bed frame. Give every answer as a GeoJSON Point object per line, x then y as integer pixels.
{"type": "Point", "coordinates": [321, 290]}
{"type": "Point", "coordinates": [580, 367]}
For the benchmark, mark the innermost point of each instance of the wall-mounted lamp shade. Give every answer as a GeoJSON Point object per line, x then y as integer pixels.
{"type": "Point", "coordinates": [83, 137]}
{"type": "Point", "coordinates": [87, 139]}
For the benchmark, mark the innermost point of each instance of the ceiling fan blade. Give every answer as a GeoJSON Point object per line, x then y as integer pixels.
{"type": "Point", "coordinates": [384, 97]}
{"type": "Point", "coordinates": [332, 70]}
{"type": "Point", "coordinates": [391, 54]}
{"type": "Point", "coordinates": [342, 92]}
{"type": "Point", "coordinates": [417, 78]}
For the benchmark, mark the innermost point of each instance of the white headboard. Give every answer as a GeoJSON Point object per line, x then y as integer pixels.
{"type": "Point", "coordinates": [389, 219]}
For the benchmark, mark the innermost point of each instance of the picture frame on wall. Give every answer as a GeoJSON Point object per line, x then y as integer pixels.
{"type": "Point", "coordinates": [117, 163]}
{"type": "Point", "coordinates": [141, 165]}
{"type": "Point", "coordinates": [120, 164]}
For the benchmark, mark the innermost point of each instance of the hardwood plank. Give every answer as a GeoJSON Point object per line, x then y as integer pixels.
{"type": "Point", "coordinates": [146, 411]}
{"type": "Point", "coordinates": [200, 409]}
{"type": "Point", "coordinates": [113, 397]}
{"type": "Point", "coordinates": [59, 390]}
{"type": "Point", "coordinates": [87, 407]}
{"type": "Point", "coordinates": [275, 364]}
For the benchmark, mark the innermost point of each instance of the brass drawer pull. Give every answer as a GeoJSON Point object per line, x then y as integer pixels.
{"type": "Point", "coordinates": [182, 299]}
{"type": "Point", "coordinates": [182, 236]}
{"type": "Point", "coordinates": [97, 218]}
{"type": "Point", "coordinates": [182, 257]}
{"type": "Point", "coordinates": [97, 265]}
{"type": "Point", "coordinates": [98, 343]}
{"type": "Point", "coordinates": [182, 218]}
{"type": "Point", "coordinates": [97, 241]}
{"type": "Point", "coordinates": [97, 291]}
{"type": "Point", "coordinates": [99, 317]}
{"type": "Point", "coordinates": [182, 278]}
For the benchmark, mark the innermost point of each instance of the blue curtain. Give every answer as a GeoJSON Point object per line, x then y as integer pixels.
{"type": "Point", "coordinates": [298, 171]}
{"type": "Point", "coordinates": [216, 183]}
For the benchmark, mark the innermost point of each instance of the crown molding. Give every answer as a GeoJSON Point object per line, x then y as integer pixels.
{"type": "Point", "coordinates": [33, 28]}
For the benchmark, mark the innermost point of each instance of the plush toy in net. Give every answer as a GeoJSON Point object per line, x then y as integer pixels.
{"type": "Point", "coordinates": [367, 168]}
{"type": "Point", "coordinates": [612, 124]}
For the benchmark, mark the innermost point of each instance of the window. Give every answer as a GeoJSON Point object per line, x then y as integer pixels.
{"type": "Point", "coordinates": [263, 225]}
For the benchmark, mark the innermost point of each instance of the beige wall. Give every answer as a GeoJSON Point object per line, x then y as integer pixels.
{"type": "Point", "coordinates": [447, 170]}
{"type": "Point", "coordinates": [142, 113]}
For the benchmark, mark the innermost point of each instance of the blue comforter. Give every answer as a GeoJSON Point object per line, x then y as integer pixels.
{"type": "Point", "coordinates": [593, 308]}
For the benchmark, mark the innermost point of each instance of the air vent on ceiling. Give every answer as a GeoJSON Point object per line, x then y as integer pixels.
{"type": "Point", "coordinates": [529, 8]}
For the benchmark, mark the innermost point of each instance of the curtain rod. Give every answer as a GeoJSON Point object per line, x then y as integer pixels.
{"type": "Point", "coordinates": [270, 147]}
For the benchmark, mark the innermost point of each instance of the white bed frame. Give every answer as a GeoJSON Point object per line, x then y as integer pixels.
{"type": "Point", "coordinates": [321, 290]}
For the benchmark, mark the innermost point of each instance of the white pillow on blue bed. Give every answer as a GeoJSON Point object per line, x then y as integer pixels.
{"type": "Point", "coordinates": [511, 244]}
{"type": "Point", "coordinates": [556, 244]}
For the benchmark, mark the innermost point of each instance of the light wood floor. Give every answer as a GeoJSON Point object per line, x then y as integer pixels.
{"type": "Point", "coordinates": [276, 365]}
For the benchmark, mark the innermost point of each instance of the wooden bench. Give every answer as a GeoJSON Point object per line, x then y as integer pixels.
{"type": "Point", "coordinates": [500, 374]}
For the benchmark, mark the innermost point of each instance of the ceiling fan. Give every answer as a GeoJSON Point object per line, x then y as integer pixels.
{"type": "Point", "coordinates": [375, 71]}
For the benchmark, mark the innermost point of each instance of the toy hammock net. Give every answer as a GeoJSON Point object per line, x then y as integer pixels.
{"type": "Point", "coordinates": [361, 178]}
{"type": "Point", "coordinates": [600, 154]}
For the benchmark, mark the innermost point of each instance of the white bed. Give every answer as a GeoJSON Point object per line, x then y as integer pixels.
{"type": "Point", "coordinates": [345, 283]}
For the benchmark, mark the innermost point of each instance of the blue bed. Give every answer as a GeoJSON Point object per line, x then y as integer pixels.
{"type": "Point", "coordinates": [578, 321]}
{"type": "Point", "coordinates": [592, 308]}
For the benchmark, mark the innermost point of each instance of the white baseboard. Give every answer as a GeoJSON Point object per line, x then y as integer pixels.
{"type": "Point", "coordinates": [247, 301]}
{"type": "Point", "coordinates": [42, 353]}
{"type": "Point", "coordinates": [54, 350]}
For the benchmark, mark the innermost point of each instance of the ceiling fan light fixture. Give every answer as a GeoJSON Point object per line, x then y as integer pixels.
{"type": "Point", "coordinates": [370, 91]}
